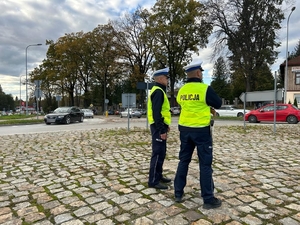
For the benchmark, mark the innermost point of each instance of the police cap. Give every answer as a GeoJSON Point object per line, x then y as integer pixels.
{"type": "Point", "coordinates": [192, 67]}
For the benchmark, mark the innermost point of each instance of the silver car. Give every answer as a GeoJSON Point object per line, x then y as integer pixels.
{"type": "Point", "coordinates": [229, 110]}
{"type": "Point", "coordinates": [88, 113]}
{"type": "Point", "coordinates": [132, 113]}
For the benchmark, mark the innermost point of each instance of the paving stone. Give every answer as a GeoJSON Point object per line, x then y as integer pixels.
{"type": "Point", "coordinates": [60, 209]}
{"type": "Point", "coordinates": [51, 204]}
{"type": "Point", "coordinates": [251, 220]}
{"type": "Point", "coordinates": [73, 222]}
{"type": "Point", "coordinates": [293, 206]}
{"type": "Point", "coordinates": [92, 218]}
{"type": "Point", "coordinates": [83, 211]}
{"type": "Point", "coordinates": [28, 210]}
{"type": "Point", "coordinates": [105, 222]}
{"type": "Point", "coordinates": [5, 217]}
{"type": "Point", "coordinates": [4, 210]}
{"type": "Point", "coordinates": [62, 218]}
{"type": "Point", "coordinates": [33, 217]}
{"type": "Point", "coordinates": [13, 222]}
{"type": "Point", "coordinates": [288, 221]}
{"type": "Point", "coordinates": [143, 221]}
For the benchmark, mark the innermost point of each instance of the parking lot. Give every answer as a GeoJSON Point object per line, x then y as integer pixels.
{"type": "Point", "coordinates": [99, 176]}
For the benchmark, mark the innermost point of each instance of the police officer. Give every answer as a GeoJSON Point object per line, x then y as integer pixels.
{"type": "Point", "coordinates": [159, 117]}
{"type": "Point", "coordinates": [196, 100]}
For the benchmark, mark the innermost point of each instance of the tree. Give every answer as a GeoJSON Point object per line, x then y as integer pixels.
{"type": "Point", "coordinates": [248, 29]}
{"type": "Point", "coordinates": [179, 28]}
{"type": "Point", "coordinates": [295, 102]}
{"type": "Point", "coordinates": [132, 41]}
{"type": "Point", "coordinates": [106, 67]}
{"type": "Point", "coordinates": [296, 51]}
{"type": "Point", "coordinates": [6, 101]}
{"type": "Point", "coordinates": [221, 79]}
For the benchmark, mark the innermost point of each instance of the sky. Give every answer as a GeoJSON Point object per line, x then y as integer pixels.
{"type": "Point", "coordinates": [25, 23]}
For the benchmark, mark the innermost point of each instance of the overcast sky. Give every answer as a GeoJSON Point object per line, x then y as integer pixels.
{"type": "Point", "coordinates": [29, 22]}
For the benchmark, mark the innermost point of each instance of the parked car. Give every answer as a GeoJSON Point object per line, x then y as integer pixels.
{"type": "Point", "coordinates": [284, 113]}
{"type": "Point", "coordinates": [88, 113]}
{"type": "Point", "coordinates": [132, 113]}
{"type": "Point", "coordinates": [229, 110]}
{"type": "Point", "coordinates": [175, 110]}
{"type": "Point", "coordinates": [110, 112]}
{"type": "Point", "coordinates": [65, 115]}
{"type": "Point", "coordinates": [142, 111]}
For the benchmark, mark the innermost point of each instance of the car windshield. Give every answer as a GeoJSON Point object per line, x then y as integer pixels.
{"type": "Point", "coordinates": [61, 110]}
{"type": "Point", "coordinates": [295, 107]}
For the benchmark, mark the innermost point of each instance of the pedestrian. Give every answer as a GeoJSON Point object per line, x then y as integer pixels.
{"type": "Point", "coordinates": [159, 117]}
{"type": "Point", "coordinates": [196, 99]}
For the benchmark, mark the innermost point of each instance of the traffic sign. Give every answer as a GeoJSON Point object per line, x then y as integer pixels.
{"type": "Point", "coordinates": [37, 83]}
{"type": "Point", "coordinates": [260, 96]}
{"type": "Point", "coordinates": [38, 93]}
{"type": "Point", "coordinates": [58, 98]}
{"type": "Point", "coordinates": [129, 100]}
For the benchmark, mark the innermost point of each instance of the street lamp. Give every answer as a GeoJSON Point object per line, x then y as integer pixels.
{"type": "Point", "coordinates": [287, 55]}
{"type": "Point", "coordinates": [21, 92]}
{"type": "Point", "coordinates": [26, 76]}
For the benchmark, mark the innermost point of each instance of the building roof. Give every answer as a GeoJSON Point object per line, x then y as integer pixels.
{"type": "Point", "coordinates": [292, 62]}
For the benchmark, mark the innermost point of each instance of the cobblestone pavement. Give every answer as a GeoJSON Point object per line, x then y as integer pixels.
{"type": "Point", "coordinates": [100, 177]}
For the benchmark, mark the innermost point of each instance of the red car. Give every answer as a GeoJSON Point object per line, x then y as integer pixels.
{"type": "Point", "coordinates": [284, 113]}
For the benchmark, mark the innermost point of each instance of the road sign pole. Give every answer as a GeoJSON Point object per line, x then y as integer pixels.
{"type": "Point", "coordinates": [147, 95]}
{"type": "Point", "coordinates": [245, 99]}
{"type": "Point", "coordinates": [275, 100]}
{"type": "Point", "coordinates": [128, 112]}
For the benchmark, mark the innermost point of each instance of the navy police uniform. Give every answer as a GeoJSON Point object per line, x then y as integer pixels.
{"type": "Point", "coordinates": [196, 100]}
{"type": "Point", "coordinates": [159, 117]}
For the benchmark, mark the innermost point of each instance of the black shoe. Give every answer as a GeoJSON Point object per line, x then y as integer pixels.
{"type": "Point", "coordinates": [212, 203]}
{"type": "Point", "coordinates": [165, 180]}
{"type": "Point", "coordinates": [159, 186]}
{"type": "Point", "coordinates": [179, 199]}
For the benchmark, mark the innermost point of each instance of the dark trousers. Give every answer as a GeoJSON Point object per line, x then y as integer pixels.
{"type": "Point", "coordinates": [203, 143]}
{"type": "Point", "coordinates": [159, 148]}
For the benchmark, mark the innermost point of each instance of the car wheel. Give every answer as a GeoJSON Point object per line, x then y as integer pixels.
{"type": "Point", "coordinates": [292, 119]}
{"type": "Point", "coordinates": [121, 115]}
{"type": "Point", "coordinates": [217, 114]}
{"type": "Point", "coordinates": [240, 114]}
{"type": "Point", "coordinates": [68, 120]}
{"type": "Point", "coordinates": [81, 119]}
{"type": "Point", "coordinates": [252, 119]}
{"type": "Point", "coordinates": [48, 123]}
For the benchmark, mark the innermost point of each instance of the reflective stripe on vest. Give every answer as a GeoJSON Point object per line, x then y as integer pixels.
{"type": "Point", "coordinates": [194, 110]}
{"type": "Point", "coordinates": [165, 111]}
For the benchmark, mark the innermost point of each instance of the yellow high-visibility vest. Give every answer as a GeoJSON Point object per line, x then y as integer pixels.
{"type": "Point", "coordinates": [194, 110]}
{"type": "Point", "coordinates": [165, 111]}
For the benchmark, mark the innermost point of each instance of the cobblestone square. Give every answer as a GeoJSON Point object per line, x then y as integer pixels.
{"type": "Point", "coordinates": [100, 176]}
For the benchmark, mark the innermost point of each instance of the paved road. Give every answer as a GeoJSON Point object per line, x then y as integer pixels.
{"type": "Point", "coordinates": [99, 176]}
{"type": "Point", "coordinates": [96, 123]}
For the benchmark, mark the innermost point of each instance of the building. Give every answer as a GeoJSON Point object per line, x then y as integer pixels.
{"type": "Point", "coordinates": [293, 79]}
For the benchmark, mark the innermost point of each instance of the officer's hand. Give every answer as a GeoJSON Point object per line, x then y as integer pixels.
{"type": "Point", "coordinates": [213, 111]}
{"type": "Point", "coordinates": [163, 136]}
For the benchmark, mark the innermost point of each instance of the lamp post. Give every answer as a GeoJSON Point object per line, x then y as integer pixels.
{"type": "Point", "coordinates": [21, 92]}
{"type": "Point", "coordinates": [26, 76]}
{"type": "Point", "coordinates": [287, 55]}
